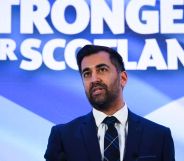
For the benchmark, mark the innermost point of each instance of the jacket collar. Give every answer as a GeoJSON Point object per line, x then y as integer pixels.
{"type": "Point", "coordinates": [134, 137]}
{"type": "Point", "coordinates": [89, 132]}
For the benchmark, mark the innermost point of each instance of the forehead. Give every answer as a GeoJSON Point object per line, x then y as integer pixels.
{"type": "Point", "coordinates": [95, 59]}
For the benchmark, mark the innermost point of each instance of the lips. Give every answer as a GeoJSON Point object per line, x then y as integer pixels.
{"type": "Point", "coordinates": [97, 90]}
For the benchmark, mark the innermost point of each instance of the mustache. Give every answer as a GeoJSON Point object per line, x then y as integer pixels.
{"type": "Point", "coordinates": [97, 84]}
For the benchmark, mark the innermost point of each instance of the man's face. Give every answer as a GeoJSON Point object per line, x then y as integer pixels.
{"type": "Point", "coordinates": [102, 83]}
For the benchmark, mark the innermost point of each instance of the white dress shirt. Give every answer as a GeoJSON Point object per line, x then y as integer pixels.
{"type": "Point", "coordinates": [122, 128]}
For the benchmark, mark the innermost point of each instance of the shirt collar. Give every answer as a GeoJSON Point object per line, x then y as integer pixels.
{"type": "Point", "coordinates": [121, 115]}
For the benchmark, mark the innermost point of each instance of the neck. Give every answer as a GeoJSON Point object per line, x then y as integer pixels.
{"type": "Point", "coordinates": [116, 106]}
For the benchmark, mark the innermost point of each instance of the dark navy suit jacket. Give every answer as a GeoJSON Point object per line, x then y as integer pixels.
{"type": "Point", "coordinates": [77, 141]}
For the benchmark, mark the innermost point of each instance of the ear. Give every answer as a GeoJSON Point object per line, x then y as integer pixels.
{"type": "Point", "coordinates": [123, 78]}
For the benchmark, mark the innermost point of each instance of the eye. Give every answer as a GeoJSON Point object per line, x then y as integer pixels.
{"type": "Point", "coordinates": [86, 74]}
{"type": "Point", "coordinates": [102, 70]}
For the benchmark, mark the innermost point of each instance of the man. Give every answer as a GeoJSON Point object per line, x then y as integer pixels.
{"type": "Point", "coordinates": [111, 132]}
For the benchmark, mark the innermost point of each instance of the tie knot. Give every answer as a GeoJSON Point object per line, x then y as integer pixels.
{"type": "Point", "coordinates": [110, 121]}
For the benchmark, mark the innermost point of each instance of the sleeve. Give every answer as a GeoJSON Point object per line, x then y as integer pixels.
{"type": "Point", "coordinates": [168, 150]}
{"type": "Point", "coordinates": [54, 151]}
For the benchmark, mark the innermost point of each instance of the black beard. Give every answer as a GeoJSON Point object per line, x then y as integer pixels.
{"type": "Point", "coordinates": [105, 101]}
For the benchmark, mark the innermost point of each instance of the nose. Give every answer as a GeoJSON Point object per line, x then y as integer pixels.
{"type": "Point", "coordinates": [95, 77]}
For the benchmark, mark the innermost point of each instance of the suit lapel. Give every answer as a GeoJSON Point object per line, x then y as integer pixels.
{"type": "Point", "coordinates": [89, 133]}
{"type": "Point", "coordinates": [133, 138]}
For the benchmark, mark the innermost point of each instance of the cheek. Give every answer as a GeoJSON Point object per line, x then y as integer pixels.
{"type": "Point", "coordinates": [115, 83]}
{"type": "Point", "coordinates": [86, 85]}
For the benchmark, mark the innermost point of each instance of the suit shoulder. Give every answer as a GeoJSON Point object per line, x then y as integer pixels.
{"type": "Point", "coordinates": [73, 123]}
{"type": "Point", "coordinates": [150, 124]}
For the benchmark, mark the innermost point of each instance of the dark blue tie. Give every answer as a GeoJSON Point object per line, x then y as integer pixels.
{"type": "Point", "coordinates": [111, 141]}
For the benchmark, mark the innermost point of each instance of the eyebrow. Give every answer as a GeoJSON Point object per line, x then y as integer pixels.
{"type": "Point", "coordinates": [85, 69]}
{"type": "Point", "coordinates": [102, 65]}
{"type": "Point", "coordinates": [97, 66]}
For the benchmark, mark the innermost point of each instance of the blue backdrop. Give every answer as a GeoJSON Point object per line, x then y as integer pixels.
{"type": "Point", "coordinates": [39, 82]}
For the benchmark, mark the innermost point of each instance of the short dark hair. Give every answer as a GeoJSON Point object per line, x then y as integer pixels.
{"type": "Point", "coordinates": [114, 56]}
